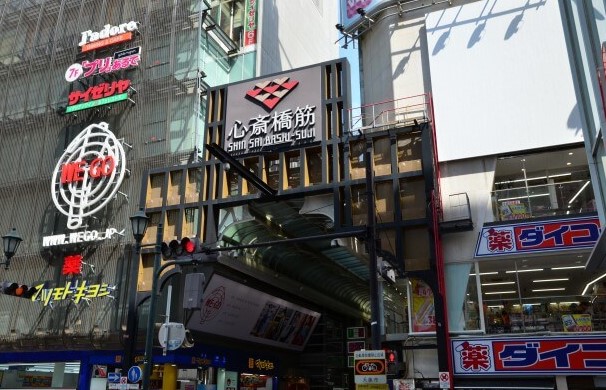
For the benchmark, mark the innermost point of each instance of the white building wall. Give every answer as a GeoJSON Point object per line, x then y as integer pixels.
{"type": "Point", "coordinates": [296, 33]}
{"type": "Point", "coordinates": [501, 78]}
{"type": "Point", "coordinates": [474, 177]}
{"type": "Point", "coordinates": [393, 58]}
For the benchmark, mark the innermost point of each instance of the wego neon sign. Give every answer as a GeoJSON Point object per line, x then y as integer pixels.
{"type": "Point", "coordinates": [88, 174]}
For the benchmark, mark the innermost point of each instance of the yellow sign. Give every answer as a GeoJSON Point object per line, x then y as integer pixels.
{"type": "Point", "coordinates": [260, 364]}
{"type": "Point", "coordinates": [577, 322]}
{"type": "Point", "coordinates": [76, 292]}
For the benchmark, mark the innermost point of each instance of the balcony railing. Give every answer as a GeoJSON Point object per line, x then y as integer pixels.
{"type": "Point", "coordinates": [547, 200]}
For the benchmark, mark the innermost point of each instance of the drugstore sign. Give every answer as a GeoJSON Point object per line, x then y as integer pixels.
{"type": "Point", "coordinates": [278, 112]}
{"type": "Point", "coordinates": [540, 236]}
{"type": "Point", "coordinates": [530, 355]}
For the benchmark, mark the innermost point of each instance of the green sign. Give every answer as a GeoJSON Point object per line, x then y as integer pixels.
{"type": "Point", "coordinates": [95, 103]}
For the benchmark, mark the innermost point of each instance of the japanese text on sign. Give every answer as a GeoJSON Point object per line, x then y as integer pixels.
{"type": "Point", "coordinates": [99, 91]}
{"type": "Point", "coordinates": [545, 355]}
{"type": "Point", "coordinates": [77, 292]}
{"type": "Point", "coordinates": [541, 236]}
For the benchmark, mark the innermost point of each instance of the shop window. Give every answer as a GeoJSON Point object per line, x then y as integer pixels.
{"type": "Point", "coordinates": [416, 249]}
{"type": "Point", "coordinates": [174, 187]}
{"type": "Point", "coordinates": [359, 205]}
{"type": "Point", "coordinates": [539, 294]}
{"type": "Point", "coordinates": [293, 169]}
{"type": "Point", "coordinates": [464, 311]}
{"type": "Point", "coordinates": [152, 228]}
{"type": "Point", "coordinates": [314, 166]}
{"type": "Point", "coordinates": [412, 199]}
{"type": "Point", "coordinates": [191, 222]}
{"type": "Point", "coordinates": [172, 224]}
{"type": "Point", "coordinates": [272, 170]}
{"type": "Point", "coordinates": [233, 182]}
{"type": "Point", "coordinates": [382, 156]}
{"type": "Point", "coordinates": [357, 149]}
{"type": "Point", "coordinates": [409, 153]}
{"type": "Point", "coordinates": [194, 185]}
{"type": "Point", "coordinates": [154, 190]}
{"type": "Point", "coordinates": [543, 184]}
{"type": "Point", "coordinates": [252, 164]}
{"type": "Point", "coordinates": [384, 205]}
{"type": "Point", "coordinates": [229, 14]}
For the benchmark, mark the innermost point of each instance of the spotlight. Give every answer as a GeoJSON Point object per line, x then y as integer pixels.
{"type": "Point", "coordinates": [339, 27]}
{"type": "Point", "coordinates": [361, 11]}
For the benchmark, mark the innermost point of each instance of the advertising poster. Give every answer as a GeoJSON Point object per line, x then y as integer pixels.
{"type": "Point", "coordinates": [235, 310]}
{"type": "Point", "coordinates": [577, 322]}
{"type": "Point", "coordinates": [423, 313]}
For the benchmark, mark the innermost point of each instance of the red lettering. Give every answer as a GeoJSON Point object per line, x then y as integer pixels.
{"type": "Point", "coordinates": [74, 171]}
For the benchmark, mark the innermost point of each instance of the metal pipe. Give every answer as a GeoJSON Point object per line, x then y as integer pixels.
{"type": "Point", "coordinates": [149, 335]}
{"type": "Point", "coordinates": [371, 233]}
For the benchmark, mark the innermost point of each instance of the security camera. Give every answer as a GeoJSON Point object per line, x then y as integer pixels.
{"type": "Point", "coordinates": [189, 341]}
{"type": "Point", "coordinates": [336, 243]}
{"type": "Point", "coordinates": [361, 11]}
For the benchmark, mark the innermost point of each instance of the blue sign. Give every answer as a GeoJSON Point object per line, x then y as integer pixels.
{"type": "Point", "coordinates": [113, 377]}
{"type": "Point", "coordinates": [134, 374]}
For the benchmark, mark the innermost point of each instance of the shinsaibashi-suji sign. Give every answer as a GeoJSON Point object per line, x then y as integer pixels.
{"type": "Point", "coordinates": [278, 112]}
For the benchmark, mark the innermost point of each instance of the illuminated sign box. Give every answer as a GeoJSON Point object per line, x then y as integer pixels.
{"type": "Point", "coordinates": [96, 103]}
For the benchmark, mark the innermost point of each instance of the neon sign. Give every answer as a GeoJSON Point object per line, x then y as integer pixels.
{"type": "Point", "coordinates": [121, 60]}
{"type": "Point", "coordinates": [98, 95]}
{"type": "Point", "coordinates": [74, 291]}
{"type": "Point", "coordinates": [109, 35]}
{"type": "Point", "coordinates": [88, 174]}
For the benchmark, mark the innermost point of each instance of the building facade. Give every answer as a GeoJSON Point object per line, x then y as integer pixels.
{"type": "Point", "coordinates": [517, 91]}
{"type": "Point", "coordinates": [98, 94]}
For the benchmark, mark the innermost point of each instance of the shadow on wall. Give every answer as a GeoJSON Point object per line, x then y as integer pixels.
{"type": "Point", "coordinates": [574, 120]}
{"type": "Point", "coordinates": [481, 24]}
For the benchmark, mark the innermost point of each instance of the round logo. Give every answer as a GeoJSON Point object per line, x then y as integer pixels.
{"type": "Point", "coordinates": [212, 304]}
{"type": "Point", "coordinates": [88, 174]}
{"type": "Point", "coordinates": [370, 367]}
{"type": "Point", "coordinates": [74, 72]}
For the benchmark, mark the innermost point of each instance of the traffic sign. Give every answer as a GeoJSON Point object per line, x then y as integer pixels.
{"type": "Point", "coordinates": [369, 367]}
{"type": "Point", "coordinates": [171, 335]}
{"type": "Point", "coordinates": [444, 380]}
{"type": "Point", "coordinates": [123, 380]}
{"type": "Point", "coordinates": [113, 377]}
{"type": "Point", "coordinates": [134, 374]}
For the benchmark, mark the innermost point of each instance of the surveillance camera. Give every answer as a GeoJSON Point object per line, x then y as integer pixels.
{"type": "Point", "coordinates": [226, 166]}
{"type": "Point", "coordinates": [336, 243]}
{"type": "Point", "coordinates": [361, 11]}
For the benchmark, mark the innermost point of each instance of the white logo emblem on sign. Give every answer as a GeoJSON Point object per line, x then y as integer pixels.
{"type": "Point", "coordinates": [88, 174]}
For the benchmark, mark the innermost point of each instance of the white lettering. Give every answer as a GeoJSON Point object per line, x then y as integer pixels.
{"type": "Point", "coordinates": [107, 31]}
{"type": "Point", "coordinates": [77, 237]}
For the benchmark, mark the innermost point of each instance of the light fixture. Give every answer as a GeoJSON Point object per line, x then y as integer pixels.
{"type": "Point", "coordinates": [592, 282]}
{"type": "Point", "coordinates": [525, 270]}
{"type": "Point", "coordinates": [10, 243]}
{"type": "Point", "coordinates": [523, 197]}
{"type": "Point", "coordinates": [579, 192]}
{"type": "Point", "coordinates": [497, 283]}
{"type": "Point", "coordinates": [139, 223]}
{"type": "Point", "coordinates": [550, 280]}
{"type": "Point", "coordinates": [567, 267]}
{"type": "Point", "coordinates": [486, 273]}
{"type": "Point", "coordinates": [549, 289]}
{"type": "Point", "coordinates": [501, 292]}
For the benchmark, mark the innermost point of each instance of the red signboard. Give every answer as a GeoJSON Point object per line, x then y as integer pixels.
{"type": "Point", "coordinates": [533, 355]}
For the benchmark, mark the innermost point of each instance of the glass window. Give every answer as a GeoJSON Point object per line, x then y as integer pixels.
{"type": "Point", "coordinates": [542, 185]}
{"type": "Point", "coordinates": [540, 294]}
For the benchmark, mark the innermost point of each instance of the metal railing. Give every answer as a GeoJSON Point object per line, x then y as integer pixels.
{"type": "Point", "coordinates": [390, 113]}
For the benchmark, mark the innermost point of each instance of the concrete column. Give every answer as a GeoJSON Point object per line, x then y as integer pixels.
{"type": "Point", "coordinates": [58, 375]}
{"type": "Point", "coordinates": [561, 383]}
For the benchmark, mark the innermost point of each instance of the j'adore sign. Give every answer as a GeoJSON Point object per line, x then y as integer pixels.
{"type": "Point", "coordinates": [109, 35]}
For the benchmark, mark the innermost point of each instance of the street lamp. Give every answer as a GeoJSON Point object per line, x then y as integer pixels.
{"type": "Point", "coordinates": [139, 222]}
{"type": "Point", "coordinates": [10, 243]}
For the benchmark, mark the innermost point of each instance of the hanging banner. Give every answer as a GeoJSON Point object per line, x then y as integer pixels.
{"type": "Point", "coordinates": [250, 24]}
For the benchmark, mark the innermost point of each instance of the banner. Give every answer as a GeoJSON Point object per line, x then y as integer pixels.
{"type": "Point", "coordinates": [423, 311]}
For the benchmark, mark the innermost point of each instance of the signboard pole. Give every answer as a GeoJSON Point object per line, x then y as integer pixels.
{"type": "Point", "coordinates": [375, 329]}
